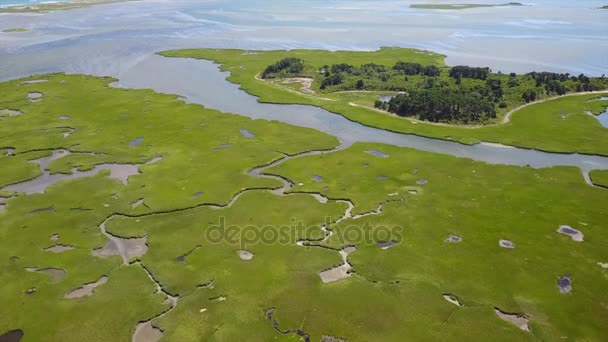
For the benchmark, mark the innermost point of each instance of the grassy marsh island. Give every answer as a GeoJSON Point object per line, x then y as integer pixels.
{"type": "Point", "coordinates": [15, 30]}
{"type": "Point", "coordinates": [383, 75]}
{"type": "Point", "coordinates": [462, 6]}
{"type": "Point", "coordinates": [55, 6]}
{"type": "Point", "coordinates": [146, 183]}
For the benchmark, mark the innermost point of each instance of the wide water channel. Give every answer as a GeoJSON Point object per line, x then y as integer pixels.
{"type": "Point", "coordinates": [200, 81]}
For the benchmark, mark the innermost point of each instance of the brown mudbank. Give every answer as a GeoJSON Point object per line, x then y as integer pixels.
{"type": "Point", "coordinates": [12, 336]}
{"type": "Point", "coordinates": [56, 274]}
{"type": "Point", "coordinates": [146, 332]}
{"type": "Point", "coordinates": [86, 290]}
{"type": "Point", "coordinates": [58, 248]}
{"type": "Point", "coordinates": [519, 319]}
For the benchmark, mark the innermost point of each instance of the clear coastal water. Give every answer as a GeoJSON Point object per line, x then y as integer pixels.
{"type": "Point", "coordinates": [553, 35]}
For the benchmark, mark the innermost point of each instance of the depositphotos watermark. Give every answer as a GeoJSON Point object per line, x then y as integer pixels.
{"type": "Point", "coordinates": [297, 231]}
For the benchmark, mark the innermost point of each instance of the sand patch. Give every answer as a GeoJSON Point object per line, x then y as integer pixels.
{"type": "Point", "coordinates": [63, 117]}
{"type": "Point", "coordinates": [137, 203]}
{"type": "Point", "coordinates": [520, 320]}
{"type": "Point", "coordinates": [377, 153]}
{"type": "Point", "coordinates": [34, 97]}
{"type": "Point", "coordinates": [10, 112]}
{"type": "Point", "coordinates": [146, 332]}
{"type": "Point", "coordinates": [339, 272]}
{"type": "Point", "coordinates": [575, 234]}
{"type": "Point", "coordinates": [58, 248]}
{"type": "Point", "coordinates": [30, 291]}
{"type": "Point", "coordinates": [506, 244]}
{"type": "Point", "coordinates": [306, 83]}
{"type": "Point", "coordinates": [320, 198]}
{"type": "Point", "coordinates": [327, 338]}
{"type": "Point", "coordinates": [86, 290]}
{"type": "Point", "coordinates": [54, 237]}
{"type": "Point", "coordinates": [125, 248]}
{"type": "Point", "coordinates": [245, 255]}
{"type": "Point", "coordinates": [34, 81]}
{"type": "Point", "coordinates": [603, 264]}
{"type": "Point", "coordinates": [452, 299]}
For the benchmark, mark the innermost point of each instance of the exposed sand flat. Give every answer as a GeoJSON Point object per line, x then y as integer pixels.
{"type": "Point", "coordinates": [339, 272]}
{"type": "Point", "coordinates": [58, 248]}
{"type": "Point", "coordinates": [137, 203]}
{"type": "Point", "coordinates": [603, 264]}
{"type": "Point", "coordinates": [87, 289]}
{"type": "Point", "coordinates": [452, 299]}
{"type": "Point", "coordinates": [146, 332]}
{"type": "Point", "coordinates": [377, 153]}
{"type": "Point", "coordinates": [34, 81]}
{"type": "Point", "coordinates": [125, 248]}
{"type": "Point", "coordinates": [520, 320]}
{"type": "Point", "coordinates": [34, 97]}
{"type": "Point", "coordinates": [10, 112]}
{"type": "Point", "coordinates": [56, 274]}
{"type": "Point", "coordinates": [305, 82]}
{"type": "Point", "coordinates": [320, 198]}
{"type": "Point", "coordinates": [245, 255]}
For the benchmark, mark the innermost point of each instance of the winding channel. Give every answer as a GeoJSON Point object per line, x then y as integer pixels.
{"type": "Point", "coordinates": [201, 81]}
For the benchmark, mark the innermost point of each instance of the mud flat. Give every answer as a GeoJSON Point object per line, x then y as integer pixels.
{"type": "Point", "coordinates": [520, 320]}
{"type": "Point", "coordinates": [146, 332]}
{"type": "Point", "coordinates": [452, 299]}
{"type": "Point", "coordinates": [10, 112]}
{"type": "Point", "coordinates": [339, 272]}
{"type": "Point", "coordinates": [377, 153]}
{"type": "Point", "coordinates": [245, 255]}
{"type": "Point", "coordinates": [56, 274]}
{"type": "Point", "coordinates": [87, 289]}
{"type": "Point", "coordinates": [58, 248]}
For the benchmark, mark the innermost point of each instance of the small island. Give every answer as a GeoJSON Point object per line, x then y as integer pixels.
{"type": "Point", "coordinates": [462, 6]}
{"type": "Point", "coordinates": [15, 30]}
{"type": "Point", "coordinates": [430, 92]}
